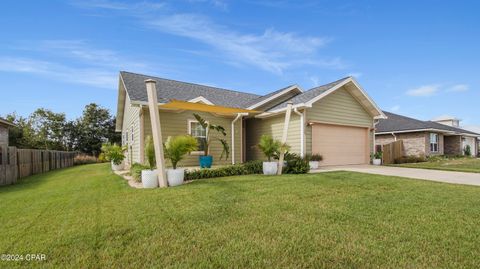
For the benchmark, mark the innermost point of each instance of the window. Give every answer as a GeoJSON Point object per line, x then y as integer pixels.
{"type": "Point", "coordinates": [196, 130]}
{"type": "Point", "coordinates": [133, 132]}
{"type": "Point", "coordinates": [126, 138]}
{"type": "Point", "coordinates": [433, 142]}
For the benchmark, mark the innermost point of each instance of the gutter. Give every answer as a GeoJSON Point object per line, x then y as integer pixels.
{"type": "Point", "coordinates": [302, 131]}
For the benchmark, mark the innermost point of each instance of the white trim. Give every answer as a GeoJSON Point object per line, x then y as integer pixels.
{"type": "Point", "coordinates": [238, 117]}
{"type": "Point", "coordinates": [302, 131]}
{"type": "Point", "coordinates": [417, 130]}
{"type": "Point", "coordinates": [200, 99]}
{"type": "Point", "coordinates": [437, 143]}
{"type": "Point", "coordinates": [273, 97]}
{"type": "Point", "coordinates": [365, 94]}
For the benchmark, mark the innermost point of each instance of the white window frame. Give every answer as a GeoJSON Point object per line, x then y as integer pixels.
{"type": "Point", "coordinates": [435, 142]}
{"type": "Point", "coordinates": [189, 127]}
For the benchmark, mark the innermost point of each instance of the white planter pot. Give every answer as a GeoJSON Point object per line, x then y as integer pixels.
{"type": "Point", "coordinates": [270, 168]}
{"type": "Point", "coordinates": [377, 161]}
{"type": "Point", "coordinates": [117, 167]}
{"type": "Point", "coordinates": [313, 164]}
{"type": "Point", "coordinates": [175, 177]}
{"type": "Point", "coordinates": [149, 178]}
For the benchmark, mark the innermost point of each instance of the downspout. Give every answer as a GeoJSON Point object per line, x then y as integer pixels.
{"type": "Point", "coordinates": [394, 136]}
{"type": "Point", "coordinates": [302, 132]}
{"type": "Point", "coordinates": [239, 116]}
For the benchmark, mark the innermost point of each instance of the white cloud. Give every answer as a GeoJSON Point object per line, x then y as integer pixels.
{"type": "Point", "coordinates": [88, 76]}
{"type": "Point", "coordinates": [459, 88]}
{"type": "Point", "coordinates": [395, 108]}
{"type": "Point", "coordinates": [315, 81]}
{"type": "Point", "coordinates": [271, 50]}
{"type": "Point", "coordinates": [427, 90]}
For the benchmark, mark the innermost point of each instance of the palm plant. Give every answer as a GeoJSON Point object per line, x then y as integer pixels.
{"type": "Point", "coordinates": [208, 139]}
{"type": "Point", "coordinates": [150, 152]}
{"type": "Point", "coordinates": [177, 147]}
{"type": "Point", "coordinates": [271, 147]}
{"type": "Point", "coordinates": [113, 153]}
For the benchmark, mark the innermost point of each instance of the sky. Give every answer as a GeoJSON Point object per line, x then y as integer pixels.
{"type": "Point", "coordinates": [415, 58]}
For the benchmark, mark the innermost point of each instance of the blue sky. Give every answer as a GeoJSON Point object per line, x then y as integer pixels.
{"type": "Point", "coordinates": [417, 58]}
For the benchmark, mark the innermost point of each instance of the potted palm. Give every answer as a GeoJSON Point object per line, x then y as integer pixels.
{"type": "Point", "coordinates": [377, 158]}
{"type": "Point", "coordinates": [114, 154]}
{"type": "Point", "coordinates": [150, 176]}
{"type": "Point", "coordinates": [314, 160]}
{"type": "Point", "coordinates": [270, 148]}
{"type": "Point", "coordinates": [175, 149]}
{"type": "Point", "coordinates": [206, 160]}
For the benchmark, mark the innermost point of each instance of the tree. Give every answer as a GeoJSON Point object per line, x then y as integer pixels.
{"type": "Point", "coordinates": [95, 127]}
{"type": "Point", "coordinates": [48, 129]}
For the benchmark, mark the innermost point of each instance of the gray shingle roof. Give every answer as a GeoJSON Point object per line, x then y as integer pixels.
{"type": "Point", "coordinates": [309, 95]}
{"type": "Point", "coordinates": [396, 123]}
{"type": "Point", "coordinates": [6, 123]}
{"type": "Point", "coordinates": [171, 89]}
{"type": "Point", "coordinates": [264, 97]}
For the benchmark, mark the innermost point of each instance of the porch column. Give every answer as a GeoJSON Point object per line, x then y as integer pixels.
{"type": "Point", "coordinates": [284, 136]}
{"type": "Point", "coordinates": [156, 130]}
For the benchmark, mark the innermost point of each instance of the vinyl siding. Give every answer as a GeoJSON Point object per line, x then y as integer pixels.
{"type": "Point", "coordinates": [339, 107]}
{"type": "Point", "coordinates": [131, 119]}
{"type": "Point", "coordinates": [273, 126]}
{"type": "Point", "coordinates": [176, 123]}
{"type": "Point", "coordinates": [3, 136]}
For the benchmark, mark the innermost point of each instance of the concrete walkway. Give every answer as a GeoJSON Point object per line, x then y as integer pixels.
{"type": "Point", "coordinates": [425, 174]}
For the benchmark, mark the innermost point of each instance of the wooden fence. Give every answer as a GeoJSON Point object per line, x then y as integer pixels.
{"type": "Point", "coordinates": [392, 151]}
{"type": "Point", "coordinates": [17, 163]}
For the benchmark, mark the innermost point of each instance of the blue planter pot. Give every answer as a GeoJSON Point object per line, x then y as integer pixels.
{"type": "Point", "coordinates": [205, 161]}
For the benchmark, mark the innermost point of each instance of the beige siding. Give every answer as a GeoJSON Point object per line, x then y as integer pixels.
{"type": "Point", "coordinates": [176, 123]}
{"type": "Point", "coordinates": [273, 126]}
{"type": "Point", "coordinates": [131, 121]}
{"type": "Point", "coordinates": [339, 107]}
{"type": "Point", "coordinates": [3, 136]}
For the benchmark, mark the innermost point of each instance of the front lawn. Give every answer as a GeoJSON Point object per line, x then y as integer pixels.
{"type": "Point", "coordinates": [87, 217]}
{"type": "Point", "coordinates": [448, 164]}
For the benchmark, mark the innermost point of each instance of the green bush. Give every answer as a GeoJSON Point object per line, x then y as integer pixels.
{"type": "Point", "coordinates": [296, 164]}
{"type": "Point", "coordinates": [253, 167]}
{"type": "Point", "coordinates": [177, 147]}
{"type": "Point", "coordinates": [467, 150]}
{"type": "Point", "coordinates": [114, 153]}
{"type": "Point", "coordinates": [410, 159]}
{"type": "Point", "coordinates": [136, 171]}
{"type": "Point", "coordinates": [314, 157]}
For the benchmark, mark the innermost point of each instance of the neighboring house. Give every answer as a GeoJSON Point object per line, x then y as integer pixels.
{"type": "Point", "coordinates": [335, 120]}
{"type": "Point", "coordinates": [4, 125]}
{"type": "Point", "coordinates": [426, 137]}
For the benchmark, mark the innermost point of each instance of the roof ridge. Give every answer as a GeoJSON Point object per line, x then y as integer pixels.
{"type": "Point", "coordinates": [336, 81]}
{"type": "Point", "coordinates": [191, 83]}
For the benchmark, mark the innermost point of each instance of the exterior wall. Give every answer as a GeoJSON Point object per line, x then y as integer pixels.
{"type": "Point", "coordinates": [413, 143]}
{"type": "Point", "coordinates": [416, 144]}
{"type": "Point", "coordinates": [453, 145]}
{"type": "Point", "coordinates": [3, 136]}
{"type": "Point", "coordinates": [340, 107]}
{"type": "Point", "coordinates": [131, 121]}
{"type": "Point", "coordinates": [273, 126]}
{"type": "Point", "coordinates": [176, 123]}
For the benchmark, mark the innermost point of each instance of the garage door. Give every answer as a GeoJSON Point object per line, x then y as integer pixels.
{"type": "Point", "coordinates": [340, 145]}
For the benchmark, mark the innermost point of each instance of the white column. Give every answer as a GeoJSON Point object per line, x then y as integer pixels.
{"type": "Point", "coordinates": [156, 130]}
{"type": "Point", "coordinates": [284, 136]}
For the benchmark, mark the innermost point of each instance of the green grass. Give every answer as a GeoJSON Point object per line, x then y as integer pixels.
{"type": "Point", "coordinates": [86, 217]}
{"type": "Point", "coordinates": [453, 164]}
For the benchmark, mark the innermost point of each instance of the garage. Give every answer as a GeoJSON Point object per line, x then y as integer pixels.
{"type": "Point", "coordinates": [341, 145]}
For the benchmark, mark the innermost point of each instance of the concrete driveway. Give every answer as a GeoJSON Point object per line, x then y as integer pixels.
{"type": "Point", "coordinates": [425, 174]}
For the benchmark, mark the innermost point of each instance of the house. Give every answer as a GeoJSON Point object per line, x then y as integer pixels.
{"type": "Point", "coordinates": [426, 138]}
{"type": "Point", "coordinates": [4, 126]}
{"type": "Point", "coordinates": [335, 120]}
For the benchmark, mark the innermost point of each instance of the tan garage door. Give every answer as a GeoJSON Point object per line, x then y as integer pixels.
{"type": "Point", "coordinates": [340, 145]}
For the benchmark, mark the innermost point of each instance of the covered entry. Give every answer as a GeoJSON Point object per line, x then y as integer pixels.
{"type": "Point", "coordinates": [341, 145]}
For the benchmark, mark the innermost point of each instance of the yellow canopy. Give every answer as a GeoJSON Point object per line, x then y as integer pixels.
{"type": "Point", "coordinates": [183, 105]}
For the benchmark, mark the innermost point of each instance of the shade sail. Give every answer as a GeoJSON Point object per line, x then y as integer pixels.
{"type": "Point", "coordinates": [183, 105]}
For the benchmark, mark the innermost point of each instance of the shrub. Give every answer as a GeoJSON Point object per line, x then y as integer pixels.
{"type": "Point", "coordinates": [81, 159]}
{"type": "Point", "coordinates": [177, 147]}
{"type": "Point", "coordinates": [314, 157]}
{"type": "Point", "coordinates": [410, 159]}
{"type": "Point", "coordinates": [252, 167]}
{"type": "Point", "coordinates": [136, 171]}
{"type": "Point", "coordinates": [101, 158]}
{"type": "Point", "coordinates": [114, 153]}
{"type": "Point", "coordinates": [467, 150]}
{"type": "Point", "coordinates": [296, 165]}
{"type": "Point", "coordinates": [271, 148]}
